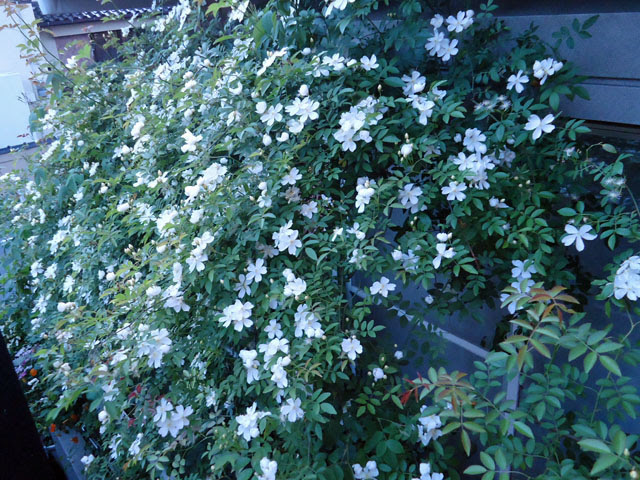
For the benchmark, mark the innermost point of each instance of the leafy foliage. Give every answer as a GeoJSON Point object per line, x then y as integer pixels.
{"type": "Point", "coordinates": [198, 259]}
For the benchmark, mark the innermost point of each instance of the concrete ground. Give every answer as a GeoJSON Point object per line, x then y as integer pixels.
{"type": "Point", "coordinates": [14, 160]}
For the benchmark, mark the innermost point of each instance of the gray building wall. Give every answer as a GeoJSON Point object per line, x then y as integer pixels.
{"type": "Point", "coordinates": [610, 59]}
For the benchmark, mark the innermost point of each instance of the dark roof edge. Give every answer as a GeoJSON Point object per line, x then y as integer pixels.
{"type": "Point", "coordinates": [54, 19]}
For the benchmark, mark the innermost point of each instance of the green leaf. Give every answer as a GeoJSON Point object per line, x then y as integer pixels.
{"type": "Point", "coordinates": [594, 445]}
{"type": "Point", "coordinates": [311, 254]}
{"type": "Point", "coordinates": [394, 81]}
{"type": "Point", "coordinates": [215, 7]}
{"type": "Point", "coordinates": [469, 268]}
{"type": "Point", "coordinates": [397, 402]}
{"type": "Point", "coordinates": [245, 474]}
{"type": "Point", "coordinates": [610, 364]}
{"type": "Point", "coordinates": [607, 147]}
{"type": "Point", "coordinates": [619, 442]}
{"type": "Point", "coordinates": [487, 461]}
{"type": "Point", "coordinates": [588, 23]}
{"type": "Point", "coordinates": [567, 212]}
{"type": "Point", "coordinates": [501, 460]}
{"type": "Point", "coordinates": [466, 442]}
{"type": "Point", "coordinates": [590, 361]}
{"type": "Point", "coordinates": [523, 428]}
{"type": "Point", "coordinates": [328, 408]}
{"type": "Point", "coordinates": [475, 470]}
{"type": "Point", "coordinates": [395, 446]}
{"type": "Point", "coordinates": [603, 462]}
{"type": "Point", "coordinates": [84, 52]}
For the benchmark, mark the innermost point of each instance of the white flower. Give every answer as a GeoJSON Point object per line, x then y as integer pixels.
{"type": "Point", "coordinates": [250, 362]}
{"type": "Point", "coordinates": [283, 137]}
{"type": "Point", "coordinates": [238, 314]}
{"type": "Point", "coordinates": [291, 410]}
{"type": "Point", "coordinates": [243, 286]}
{"type": "Point", "coordinates": [627, 279]}
{"type": "Point", "coordinates": [406, 149]}
{"type": "Point", "coordinates": [292, 177]}
{"type": "Point", "coordinates": [256, 270]}
{"type": "Point", "coordinates": [383, 287]}
{"type": "Point", "coordinates": [355, 230]}
{"type": "Point", "coordinates": [87, 460]}
{"type": "Point", "coordinates": [425, 473]}
{"type": "Point", "coordinates": [306, 322]}
{"type": "Point", "coordinates": [409, 196]}
{"type": "Point", "coordinates": [413, 84]}
{"type": "Point", "coordinates": [437, 21]}
{"type": "Point", "coordinates": [287, 239]}
{"type": "Point", "coordinates": [443, 252]}
{"type": "Point", "coordinates": [336, 61]}
{"type": "Point", "coordinates": [273, 347]}
{"type": "Point", "coordinates": [190, 140]}
{"type": "Point", "coordinates": [496, 203]}
{"type": "Point", "coordinates": [474, 140]}
{"type": "Point", "coordinates": [575, 235]}
{"type": "Point", "coordinates": [196, 261]}
{"type": "Point", "coordinates": [429, 429]}
{"type": "Point", "coordinates": [539, 125]}
{"type": "Point", "coordinates": [448, 49]}
{"type": "Point", "coordinates": [352, 347]}
{"type": "Point", "coordinates": [308, 209]}
{"type": "Point", "coordinates": [435, 43]}
{"type": "Point", "coordinates": [369, 472]}
{"type": "Point", "coordinates": [398, 354]}
{"type": "Point", "coordinates": [248, 423]}
{"type": "Point", "coordinates": [424, 106]}
{"type": "Point", "coordinates": [122, 207]}
{"type": "Point", "coordinates": [269, 469]}
{"type": "Point", "coordinates": [135, 130]}
{"type": "Point", "coordinates": [455, 191]}
{"type": "Point", "coordinates": [377, 374]}
{"type": "Point", "coordinates": [179, 416]}
{"type": "Point", "coordinates": [155, 347]}
{"type": "Point", "coordinates": [175, 422]}
{"type": "Point", "coordinates": [364, 192]}
{"type": "Point", "coordinates": [460, 22]}
{"type": "Point", "coordinates": [338, 5]}
{"type": "Point", "coordinates": [279, 374]}
{"type": "Point", "coordinates": [542, 69]}
{"type": "Point", "coordinates": [295, 286]}
{"type": "Point", "coordinates": [266, 140]}
{"type": "Point", "coordinates": [134, 449]}
{"type": "Point", "coordinates": [523, 270]}
{"type": "Point", "coordinates": [274, 329]}
{"type": "Point", "coordinates": [272, 115]}
{"type": "Point", "coordinates": [307, 110]}
{"type": "Point", "coordinates": [517, 81]}
{"type": "Point", "coordinates": [238, 11]}
{"type": "Point", "coordinates": [369, 63]}
{"type": "Point", "coordinates": [67, 286]}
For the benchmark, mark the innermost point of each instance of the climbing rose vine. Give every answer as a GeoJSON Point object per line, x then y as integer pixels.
{"type": "Point", "coordinates": [215, 259]}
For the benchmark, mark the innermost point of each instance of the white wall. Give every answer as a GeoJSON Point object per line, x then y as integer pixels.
{"type": "Point", "coordinates": [15, 83]}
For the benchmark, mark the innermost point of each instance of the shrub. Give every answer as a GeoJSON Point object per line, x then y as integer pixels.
{"type": "Point", "coordinates": [195, 260]}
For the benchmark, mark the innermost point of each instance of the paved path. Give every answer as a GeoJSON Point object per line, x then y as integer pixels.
{"type": "Point", "coordinates": [11, 161]}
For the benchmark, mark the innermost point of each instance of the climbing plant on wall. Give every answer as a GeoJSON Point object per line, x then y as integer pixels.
{"type": "Point", "coordinates": [181, 257]}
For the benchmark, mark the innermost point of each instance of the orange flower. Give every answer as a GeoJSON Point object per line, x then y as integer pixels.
{"type": "Point", "coordinates": [33, 372]}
